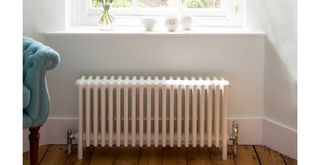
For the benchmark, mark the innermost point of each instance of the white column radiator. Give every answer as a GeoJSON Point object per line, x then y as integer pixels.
{"type": "Point", "coordinates": [160, 112]}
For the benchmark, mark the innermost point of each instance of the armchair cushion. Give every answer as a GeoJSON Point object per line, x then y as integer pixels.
{"type": "Point", "coordinates": [37, 60]}
{"type": "Point", "coordinates": [26, 96]}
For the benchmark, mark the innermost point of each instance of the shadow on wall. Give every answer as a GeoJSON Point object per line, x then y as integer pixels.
{"type": "Point", "coordinates": [280, 96]}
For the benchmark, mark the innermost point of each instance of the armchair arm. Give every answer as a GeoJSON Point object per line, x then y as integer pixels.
{"type": "Point", "coordinates": [35, 53]}
{"type": "Point", "coordinates": [37, 59]}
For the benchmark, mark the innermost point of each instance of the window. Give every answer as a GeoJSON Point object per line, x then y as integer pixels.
{"type": "Point", "coordinates": [129, 12]}
{"type": "Point", "coordinates": [202, 4]}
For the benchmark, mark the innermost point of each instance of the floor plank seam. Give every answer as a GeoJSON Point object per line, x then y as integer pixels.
{"type": "Point", "coordinates": [234, 157]}
{"type": "Point", "coordinates": [162, 155]}
{"type": "Point", "coordinates": [187, 155]}
{"type": "Point", "coordinates": [65, 161]}
{"type": "Point", "coordinates": [210, 155]}
{"type": "Point", "coordinates": [91, 155]}
{"type": "Point", "coordinates": [139, 155]}
{"type": "Point", "coordinates": [45, 153]}
{"type": "Point", "coordinates": [283, 159]}
{"type": "Point", "coordinates": [254, 147]}
{"type": "Point", "coordinates": [115, 155]}
{"type": "Point", "coordinates": [66, 152]}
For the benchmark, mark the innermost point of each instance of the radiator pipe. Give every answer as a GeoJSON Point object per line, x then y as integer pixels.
{"type": "Point", "coordinates": [234, 137]}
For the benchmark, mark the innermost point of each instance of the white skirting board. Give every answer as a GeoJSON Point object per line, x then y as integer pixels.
{"type": "Point", "coordinates": [280, 138]}
{"type": "Point", "coordinates": [252, 131]}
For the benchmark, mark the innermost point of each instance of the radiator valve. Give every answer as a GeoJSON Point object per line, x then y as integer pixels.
{"type": "Point", "coordinates": [70, 136]}
{"type": "Point", "coordinates": [234, 137]}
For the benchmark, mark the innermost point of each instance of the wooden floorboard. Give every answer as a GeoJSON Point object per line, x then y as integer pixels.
{"type": "Point", "coordinates": [103, 155]}
{"type": "Point", "coordinates": [174, 155]}
{"type": "Point", "coordinates": [42, 152]}
{"type": "Point", "coordinates": [216, 157]}
{"type": "Point", "coordinates": [247, 155]}
{"type": "Point", "coordinates": [268, 156]}
{"type": "Point", "coordinates": [151, 156]}
{"type": "Point", "coordinates": [127, 156]}
{"type": "Point", "coordinates": [198, 156]}
{"type": "Point", "coordinates": [56, 154]}
{"type": "Point", "coordinates": [289, 161]}
{"type": "Point", "coordinates": [73, 158]}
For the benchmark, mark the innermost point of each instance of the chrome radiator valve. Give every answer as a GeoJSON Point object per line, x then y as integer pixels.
{"type": "Point", "coordinates": [70, 136]}
{"type": "Point", "coordinates": [234, 137]}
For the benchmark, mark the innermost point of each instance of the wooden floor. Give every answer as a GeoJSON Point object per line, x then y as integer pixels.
{"type": "Point", "coordinates": [247, 155]}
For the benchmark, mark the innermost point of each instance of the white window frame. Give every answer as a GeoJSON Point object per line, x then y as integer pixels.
{"type": "Point", "coordinates": [81, 13]}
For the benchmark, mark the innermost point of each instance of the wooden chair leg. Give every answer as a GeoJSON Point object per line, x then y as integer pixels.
{"type": "Point", "coordinates": [34, 144]}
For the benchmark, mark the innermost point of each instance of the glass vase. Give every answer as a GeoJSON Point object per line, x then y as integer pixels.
{"type": "Point", "coordinates": [106, 27]}
{"type": "Point", "coordinates": [106, 21]}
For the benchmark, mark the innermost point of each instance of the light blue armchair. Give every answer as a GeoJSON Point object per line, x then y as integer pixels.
{"type": "Point", "coordinates": [37, 59]}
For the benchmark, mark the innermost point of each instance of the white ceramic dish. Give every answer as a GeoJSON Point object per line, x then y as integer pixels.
{"type": "Point", "coordinates": [172, 23]}
{"type": "Point", "coordinates": [148, 23]}
{"type": "Point", "coordinates": [186, 22]}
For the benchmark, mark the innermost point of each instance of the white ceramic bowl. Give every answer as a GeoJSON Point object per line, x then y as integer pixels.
{"type": "Point", "coordinates": [186, 21]}
{"type": "Point", "coordinates": [172, 23]}
{"type": "Point", "coordinates": [149, 23]}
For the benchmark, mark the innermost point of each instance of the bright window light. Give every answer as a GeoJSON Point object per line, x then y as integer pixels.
{"type": "Point", "coordinates": [210, 13]}
{"type": "Point", "coordinates": [201, 4]}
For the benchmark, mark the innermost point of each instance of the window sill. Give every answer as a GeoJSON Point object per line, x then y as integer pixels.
{"type": "Point", "coordinates": [158, 31]}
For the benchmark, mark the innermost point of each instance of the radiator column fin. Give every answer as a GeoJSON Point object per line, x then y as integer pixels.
{"type": "Point", "coordinates": [80, 113]}
{"type": "Point", "coordinates": [110, 109]}
{"type": "Point", "coordinates": [202, 118]}
{"type": "Point", "coordinates": [118, 111]}
{"type": "Point", "coordinates": [194, 115]}
{"type": "Point", "coordinates": [209, 114]}
{"type": "Point", "coordinates": [156, 112]}
{"type": "Point", "coordinates": [186, 114]}
{"type": "Point", "coordinates": [103, 111]}
{"type": "Point", "coordinates": [164, 113]}
{"type": "Point", "coordinates": [88, 111]}
{"type": "Point", "coordinates": [224, 121]}
{"type": "Point", "coordinates": [133, 112]}
{"type": "Point", "coordinates": [149, 112]}
{"type": "Point", "coordinates": [217, 114]}
{"type": "Point", "coordinates": [179, 118]}
{"type": "Point", "coordinates": [126, 118]}
{"type": "Point", "coordinates": [171, 122]}
{"type": "Point", "coordinates": [141, 108]}
{"type": "Point", "coordinates": [95, 111]}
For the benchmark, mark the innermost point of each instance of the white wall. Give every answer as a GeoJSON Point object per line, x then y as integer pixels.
{"type": "Point", "coordinates": [278, 20]}
{"type": "Point", "coordinates": [206, 55]}
{"type": "Point", "coordinates": [40, 16]}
